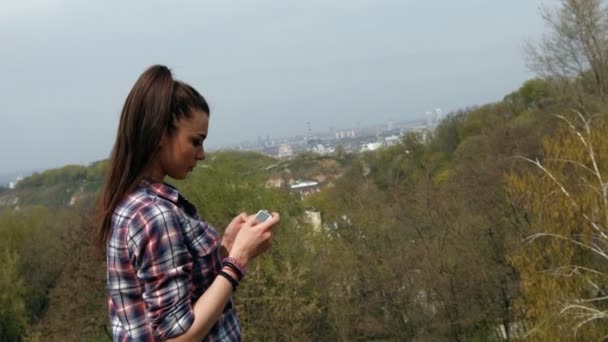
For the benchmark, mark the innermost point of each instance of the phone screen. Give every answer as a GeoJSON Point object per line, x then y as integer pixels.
{"type": "Point", "coordinates": [262, 216]}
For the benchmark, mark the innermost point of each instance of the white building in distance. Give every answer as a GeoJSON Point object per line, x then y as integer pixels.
{"type": "Point", "coordinates": [371, 146]}
{"type": "Point", "coordinates": [14, 183]}
{"type": "Point", "coordinates": [304, 188]}
{"type": "Point", "coordinates": [285, 151]}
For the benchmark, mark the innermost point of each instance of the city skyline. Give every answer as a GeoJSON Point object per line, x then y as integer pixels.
{"type": "Point", "coordinates": [321, 131]}
{"type": "Point", "coordinates": [7, 177]}
{"type": "Point", "coordinates": [266, 68]}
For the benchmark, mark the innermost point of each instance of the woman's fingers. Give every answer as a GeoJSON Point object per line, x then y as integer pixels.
{"type": "Point", "coordinates": [271, 222]}
{"type": "Point", "coordinates": [250, 221]}
{"type": "Point", "coordinates": [238, 219]}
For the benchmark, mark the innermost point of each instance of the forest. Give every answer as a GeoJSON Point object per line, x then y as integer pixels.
{"type": "Point", "coordinates": [494, 227]}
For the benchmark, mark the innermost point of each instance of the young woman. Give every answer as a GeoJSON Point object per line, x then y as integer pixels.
{"type": "Point", "coordinates": [166, 276]}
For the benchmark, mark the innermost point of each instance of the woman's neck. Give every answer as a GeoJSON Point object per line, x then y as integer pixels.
{"type": "Point", "coordinates": [155, 172]}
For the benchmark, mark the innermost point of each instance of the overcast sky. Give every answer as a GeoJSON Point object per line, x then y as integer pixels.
{"type": "Point", "coordinates": [266, 67]}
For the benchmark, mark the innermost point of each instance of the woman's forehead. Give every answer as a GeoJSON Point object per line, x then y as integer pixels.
{"type": "Point", "coordinates": [198, 122]}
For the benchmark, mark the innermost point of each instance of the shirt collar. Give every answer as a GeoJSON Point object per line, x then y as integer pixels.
{"type": "Point", "coordinates": [161, 189]}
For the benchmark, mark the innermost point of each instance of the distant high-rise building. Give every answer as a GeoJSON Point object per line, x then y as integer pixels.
{"type": "Point", "coordinates": [308, 133]}
{"type": "Point", "coordinates": [429, 118]}
{"type": "Point", "coordinates": [438, 115]}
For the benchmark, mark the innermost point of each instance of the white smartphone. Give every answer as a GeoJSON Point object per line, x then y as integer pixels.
{"type": "Point", "coordinates": [262, 216]}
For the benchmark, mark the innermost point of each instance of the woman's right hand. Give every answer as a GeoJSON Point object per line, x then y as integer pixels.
{"type": "Point", "coordinates": [253, 238]}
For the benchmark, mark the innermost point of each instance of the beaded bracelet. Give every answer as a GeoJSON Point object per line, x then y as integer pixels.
{"type": "Point", "coordinates": [234, 268]}
{"type": "Point", "coordinates": [237, 264]}
{"type": "Point", "coordinates": [232, 281]}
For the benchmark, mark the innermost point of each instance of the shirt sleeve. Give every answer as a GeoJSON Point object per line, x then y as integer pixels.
{"type": "Point", "coordinates": [164, 265]}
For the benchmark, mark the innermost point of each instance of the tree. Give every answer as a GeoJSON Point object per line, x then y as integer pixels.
{"type": "Point", "coordinates": [563, 262]}
{"type": "Point", "coordinates": [13, 315]}
{"type": "Point", "coordinates": [339, 151]}
{"type": "Point", "coordinates": [576, 46]}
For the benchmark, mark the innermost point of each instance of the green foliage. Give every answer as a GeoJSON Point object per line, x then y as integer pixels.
{"type": "Point", "coordinates": [58, 187]}
{"type": "Point", "coordinates": [77, 303]}
{"type": "Point", "coordinates": [565, 205]}
{"type": "Point", "coordinates": [229, 183]}
{"type": "Point", "coordinates": [406, 201]}
{"type": "Point", "coordinates": [96, 171]}
{"type": "Point", "coordinates": [13, 316]}
{"type": "Point", "coordinates": [533, 94]}
{"type": "Point", "coordinates": [313, 166]}
{"type": "Point", "coordinates": [69, 173]}
{"type": "Point", "coordinates": [34, 238]}
{"type": "Point", "coordinates": [278, 300]}
{"type": "Point", "coordinates": [447, 137]}
{"type": "Point", "coordinates": [339, 152]}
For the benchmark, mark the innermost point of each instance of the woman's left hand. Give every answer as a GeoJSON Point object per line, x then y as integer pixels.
{"type": "Point", "coordinates": [230, 233]}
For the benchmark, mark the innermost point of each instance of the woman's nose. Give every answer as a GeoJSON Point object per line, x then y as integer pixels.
{"type": "Point", "coordinates": [200, 155]}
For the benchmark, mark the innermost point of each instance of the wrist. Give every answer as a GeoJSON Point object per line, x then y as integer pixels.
{"type": "Point", "coordinates": [231, 272]}
{"type": "Point", "coordinates": [235, 266]}
{"type": "Point", "coordinates": [238, 258]}
{"type": "Point", "coordinates": [224, 251]}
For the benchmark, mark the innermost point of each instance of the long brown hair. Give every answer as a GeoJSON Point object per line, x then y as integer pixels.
{"type": "Point", "coordinates": [151, 109]}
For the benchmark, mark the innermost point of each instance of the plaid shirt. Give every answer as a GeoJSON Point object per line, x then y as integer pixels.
{"type": "Point", "coordinates": [161, 258]}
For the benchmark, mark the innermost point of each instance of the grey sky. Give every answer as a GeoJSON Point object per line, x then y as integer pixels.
{"type": "Point", "coordinates": [266, 67]}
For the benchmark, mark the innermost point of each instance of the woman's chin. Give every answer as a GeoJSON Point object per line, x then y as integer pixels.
{"type": "Point", "coordinates": [180, 176]}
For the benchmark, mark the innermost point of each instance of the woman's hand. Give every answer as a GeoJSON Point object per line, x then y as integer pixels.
{"type": "Point", "coordinates": [231, 232]}
{"type": "Point", "coordinates": [253, 238]}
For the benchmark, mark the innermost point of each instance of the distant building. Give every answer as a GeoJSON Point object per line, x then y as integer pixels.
{"type": "Point", "coordinates": [371, 146]}
{"type": "Point", "coordinates": [434, 117]}
{"type": "Point", "coordinates": [438, 115]}
{"type": "Point", "coordinates": [345, 134]}
{"type": "Point", "coordinates": [13, 184]}
{"type": "Point", "coordinates": [424, 133]}
{"type": "Point", "coordinates": [276, 182]}
{"type": "Point", "coordinates": [323, 150]}
{"type": "Point", "coordinates": [304, 188]}
{"type": "Point", "coordinates": [392, 140]}
{"type": "Point", "coordinates": [430, 116]}
{"type": "Point", "coordinates": [285, 151]}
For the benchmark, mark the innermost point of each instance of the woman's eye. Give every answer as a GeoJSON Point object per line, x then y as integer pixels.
{"type": "Point", "coordinates": [197, 143]}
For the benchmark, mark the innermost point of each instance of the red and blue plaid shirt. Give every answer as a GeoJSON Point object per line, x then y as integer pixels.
{"type": "Point", "coordinates": [161, 258]}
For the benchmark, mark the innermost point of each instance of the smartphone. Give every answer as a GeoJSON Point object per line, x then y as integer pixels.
{"type": "Point", "coordinates": [262, 216]}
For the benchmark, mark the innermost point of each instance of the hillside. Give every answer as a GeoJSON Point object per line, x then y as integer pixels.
{"type": "Point", "coordinates": [59, 187]}
{"type": "Point", "coordinates": [73, 184]}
